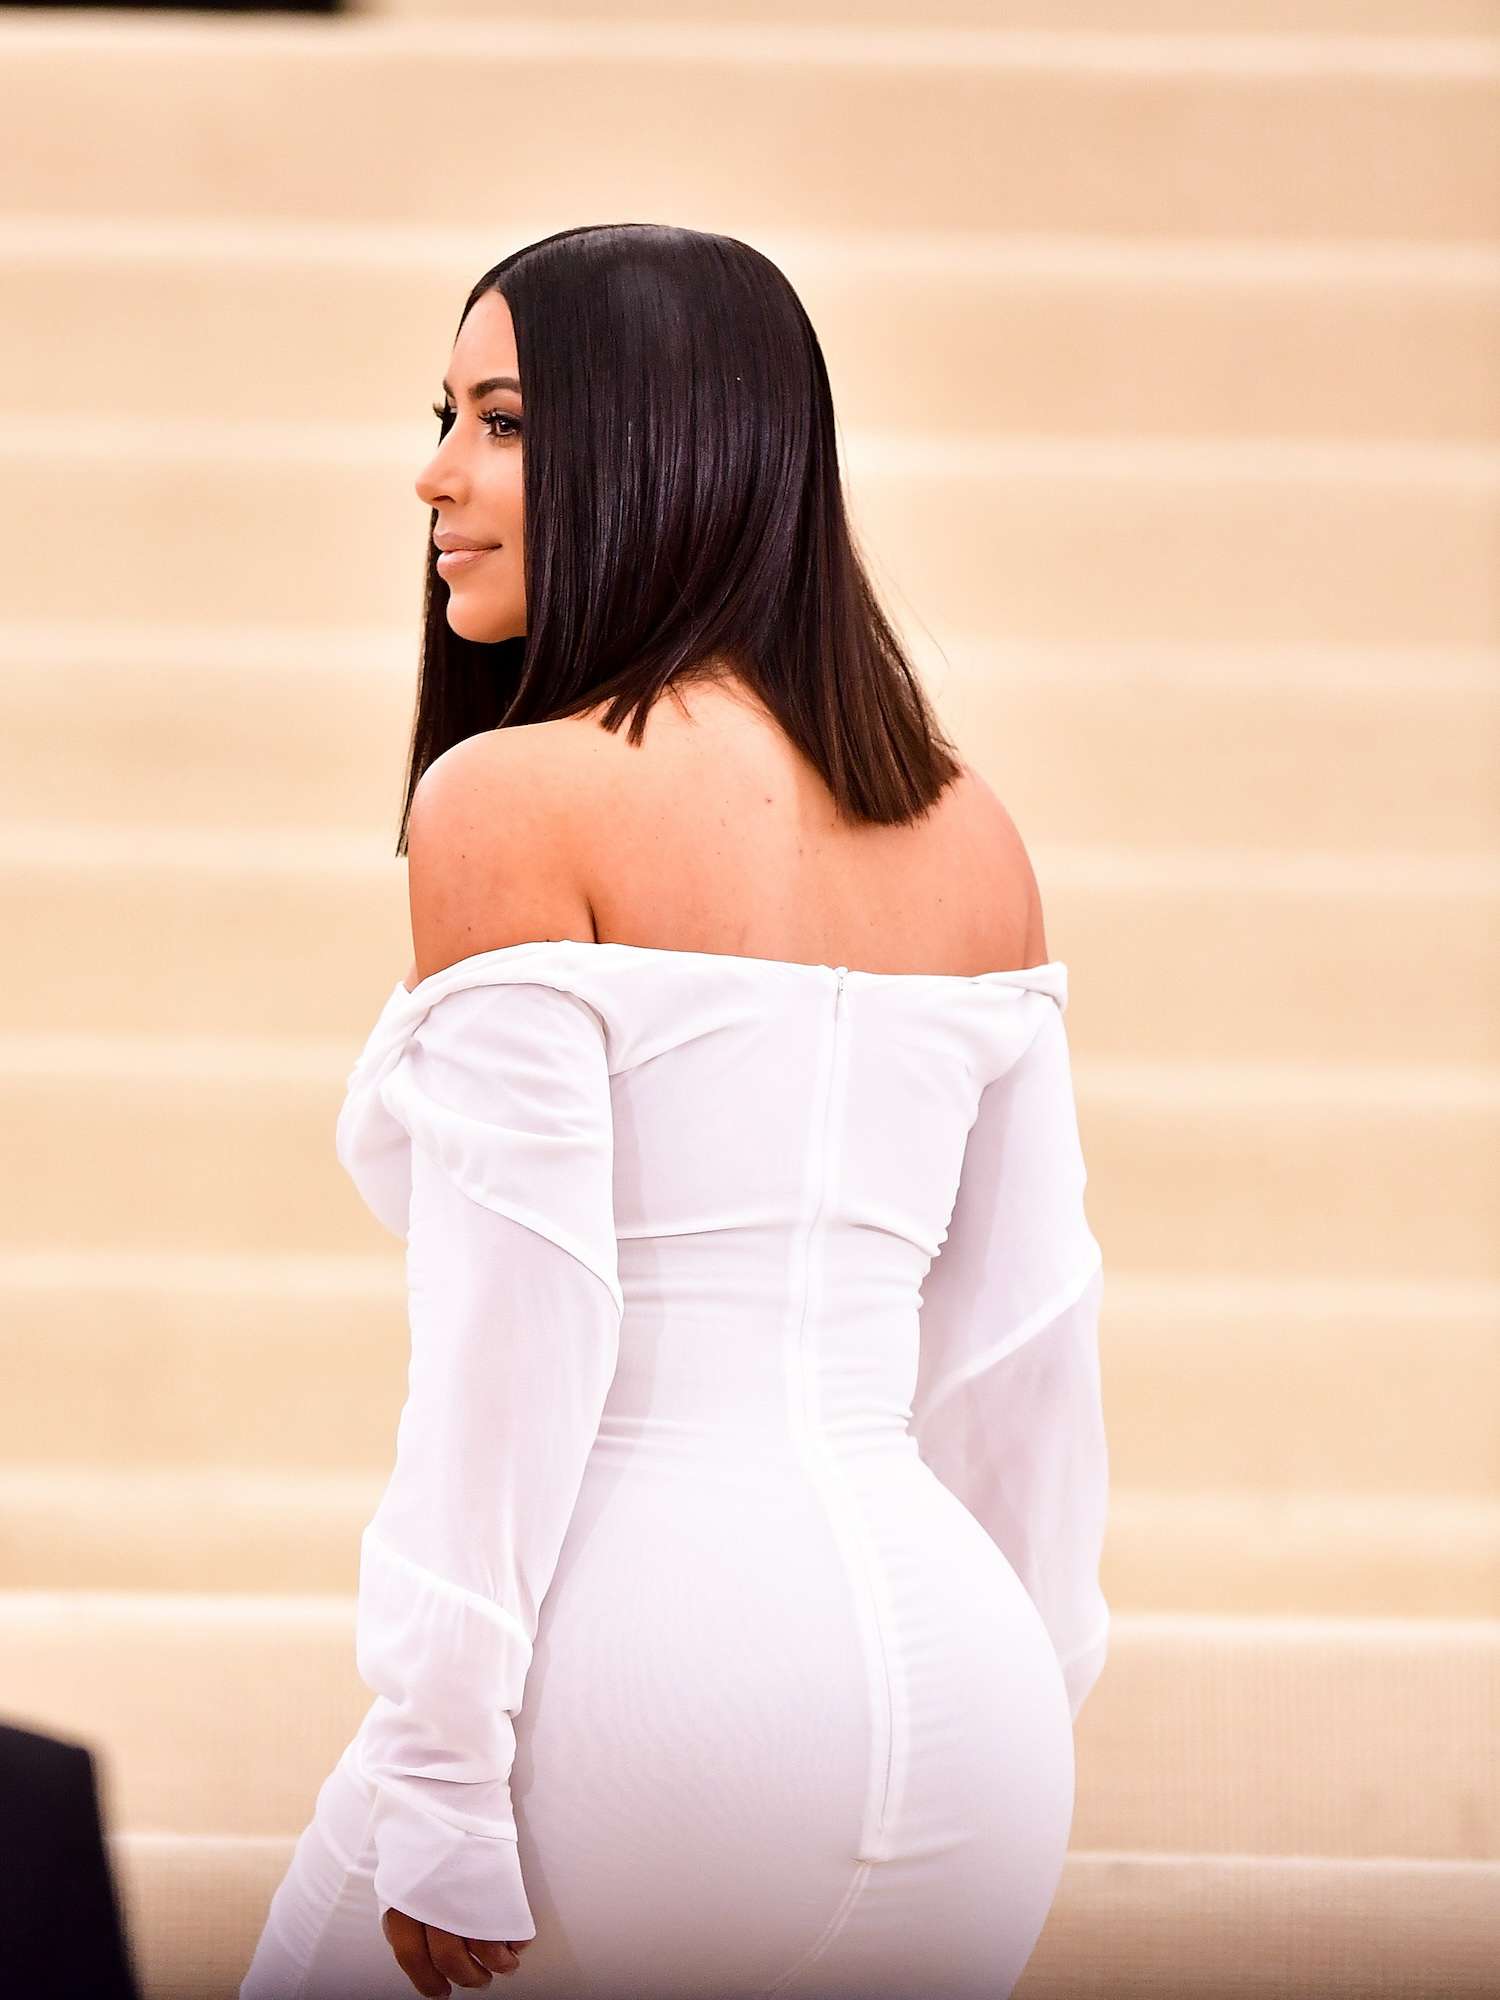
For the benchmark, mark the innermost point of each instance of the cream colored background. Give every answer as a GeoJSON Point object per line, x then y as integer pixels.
{"type": "Point", "coordinates": [1165, 336]}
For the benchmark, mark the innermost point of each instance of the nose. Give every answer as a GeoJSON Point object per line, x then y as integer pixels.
{"type": "Point", "coordinates": [436, 483]}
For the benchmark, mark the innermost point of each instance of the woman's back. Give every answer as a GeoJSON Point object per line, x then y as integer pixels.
{"type": "Point", "coordinates": [715, 834]}
{"type": "Point", "coordinates": [736, 1584]}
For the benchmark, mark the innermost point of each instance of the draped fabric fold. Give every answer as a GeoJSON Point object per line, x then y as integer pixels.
{"type": "Point", "coordinates": [1008, 1409]}
{"type": "Point", "coordinates": [504, 1197]}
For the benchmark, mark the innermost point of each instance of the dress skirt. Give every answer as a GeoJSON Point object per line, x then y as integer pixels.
{"type": "Point", "coordinates": [785, 1734]}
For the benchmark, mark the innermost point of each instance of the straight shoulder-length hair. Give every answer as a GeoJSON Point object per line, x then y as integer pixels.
{"type": "Point", "coordinates": [683, 515]}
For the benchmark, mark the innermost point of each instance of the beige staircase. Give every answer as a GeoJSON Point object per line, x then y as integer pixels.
{"type": "Point", "coordinates": [1166, 341]}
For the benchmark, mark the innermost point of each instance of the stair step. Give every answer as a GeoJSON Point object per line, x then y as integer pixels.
{"type": "Point", "coordinates": [1084, 540]}
{"type": "Point", "coordinates": [1395, 1389]}
{"type": "Point", "coordinates": [124, 730]}
{"type": "Point", "coordinates": [1314, 18]}
{"type": "Point", "coordinates": [1138, 1926]}
{"type": "Point", "coordinates": [1247, 1926]}
{"type": "Point", "coordinates": [1025, 333]}
{"type": "Point", "coordinates": [1336, 1737]}
{"type": "Point", "coordinates": [1219, 1552]}
{"type": "Point", "coordinates": [1381, 1171]}
{"type": "Point", "coordinates": [286, 934]}
{"type": "Point", "coordinates": [1302, 137]}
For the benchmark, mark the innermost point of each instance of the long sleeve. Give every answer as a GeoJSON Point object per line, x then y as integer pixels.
{"type": "Point", "coordinates": [1008, 1410]}
{"type": "Point", "coordinates": [514, 1307]}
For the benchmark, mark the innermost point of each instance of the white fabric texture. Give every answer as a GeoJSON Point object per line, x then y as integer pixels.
{"type": "Point", "coordinates": [515, 1310]}
{"type": "Point", "coordinates": [1009, 1409]}
{"type": "Point", "coordinates": [737, 1581]}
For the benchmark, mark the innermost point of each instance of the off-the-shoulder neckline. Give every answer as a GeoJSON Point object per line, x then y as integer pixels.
{"type": "Point", "coordinates": [669, 952]}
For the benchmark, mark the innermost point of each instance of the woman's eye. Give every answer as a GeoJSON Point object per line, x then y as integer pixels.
{"type": "Point", "coordinates": [445, 416]}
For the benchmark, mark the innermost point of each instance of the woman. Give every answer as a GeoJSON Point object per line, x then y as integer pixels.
{"type": "Point", "coordinates": [736, 1585]}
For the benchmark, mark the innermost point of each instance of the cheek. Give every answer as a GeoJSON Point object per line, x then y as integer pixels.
{"type": "Point", "coordinates": [510, 494]}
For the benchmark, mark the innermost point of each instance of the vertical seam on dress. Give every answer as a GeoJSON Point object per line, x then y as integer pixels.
{"type": "Point", "coordinates": [853, 1545]}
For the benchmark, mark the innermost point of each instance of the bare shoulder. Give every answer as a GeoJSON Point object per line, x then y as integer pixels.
{"type": "Point", "coordinates": [492, 846]}
{"type": "Point", "coordinates": [996, 853]}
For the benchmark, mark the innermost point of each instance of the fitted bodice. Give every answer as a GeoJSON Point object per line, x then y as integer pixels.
{"type": "Point", "coordinates": [788, 1141]}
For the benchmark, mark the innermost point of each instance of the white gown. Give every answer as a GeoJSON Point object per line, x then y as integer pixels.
{"type": "Point", "coordinates": [736, 1585]}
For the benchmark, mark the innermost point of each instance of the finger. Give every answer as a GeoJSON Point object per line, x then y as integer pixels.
{"type": "Point", "coordinates": [452, 1957]}
{"type": "Point", "coordinates": [408, 1940]}
{"type": "Point", "coordinates": [495, 1953]}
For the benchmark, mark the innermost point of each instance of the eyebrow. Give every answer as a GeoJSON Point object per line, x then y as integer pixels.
{"type": "Point", "coordinates": [487, 387]}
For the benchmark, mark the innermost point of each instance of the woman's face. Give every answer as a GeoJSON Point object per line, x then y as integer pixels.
{"type": "Point", "coordinates": [473, 479]}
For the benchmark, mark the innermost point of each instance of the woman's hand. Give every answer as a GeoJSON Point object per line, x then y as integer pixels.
{"type": "Point", "coordinates": [429, 1957]}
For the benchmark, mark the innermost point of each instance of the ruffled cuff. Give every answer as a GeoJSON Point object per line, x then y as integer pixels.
{"type": "Point", "coordinates": [467, 1883]}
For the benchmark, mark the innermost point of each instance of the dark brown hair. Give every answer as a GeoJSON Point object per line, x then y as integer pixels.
{"type": "Point", "coordinates": [683, 509]}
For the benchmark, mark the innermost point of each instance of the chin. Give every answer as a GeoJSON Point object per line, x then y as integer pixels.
{"type": "Point", "coordinates": [484, 628]}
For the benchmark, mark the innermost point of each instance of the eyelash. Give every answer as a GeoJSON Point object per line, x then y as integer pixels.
{"type": "Point", "coordinates": [445, 416]}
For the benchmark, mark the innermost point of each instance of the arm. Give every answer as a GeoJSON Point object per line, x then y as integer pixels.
{"type": "Point", "coordinates": [514, 1308]}
{"type": "Point", "coordinates": [1008, 1409]}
